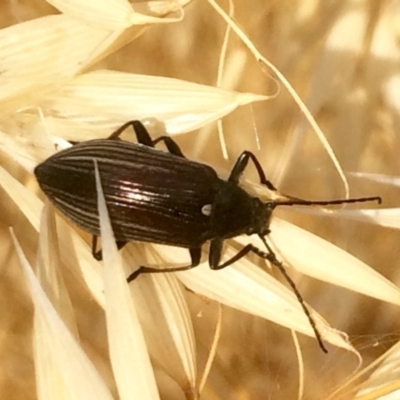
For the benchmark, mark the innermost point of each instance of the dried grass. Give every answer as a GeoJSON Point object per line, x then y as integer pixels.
{"type": "Point", "coordinates": [342, 58]}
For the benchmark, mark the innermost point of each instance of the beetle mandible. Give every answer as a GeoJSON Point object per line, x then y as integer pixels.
{"type": "Point", "coordinates": [162, 197]}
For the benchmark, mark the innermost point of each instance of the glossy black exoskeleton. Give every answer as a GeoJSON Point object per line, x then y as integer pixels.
{"type": "Point", "coordinates": [162, 197]}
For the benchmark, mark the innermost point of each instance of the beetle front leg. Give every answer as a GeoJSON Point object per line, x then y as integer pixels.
{"type": "Point", "coordinates": [214, 256]}
{"type": "Point", "coordinates": [214, 259]}
{"type": "Point", "coordinates": [271, 257]}
{"type": "Point", "coordinates": [195, 255]}
{"type": "Point", "coordinates": [240, 166]}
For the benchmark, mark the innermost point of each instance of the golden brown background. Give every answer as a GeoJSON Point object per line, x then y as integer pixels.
{"type": "Point", "coordinates": [344, 89]}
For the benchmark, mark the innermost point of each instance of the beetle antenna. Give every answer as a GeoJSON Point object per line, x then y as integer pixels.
{"type": "Point", "coordinates": [295, 202]}
{"type": "Point", "coordinates": [271, 257]}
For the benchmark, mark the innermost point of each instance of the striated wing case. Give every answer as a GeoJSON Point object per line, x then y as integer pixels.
{"type": "Point", "coordinates": [151, 195]}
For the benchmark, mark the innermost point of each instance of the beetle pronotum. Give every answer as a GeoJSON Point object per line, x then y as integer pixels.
{"type": "Point", "coordinates": [161, 197]}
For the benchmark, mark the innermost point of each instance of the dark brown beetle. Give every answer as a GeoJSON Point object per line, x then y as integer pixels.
{"type": "Point", "coordinates": [162, 197]}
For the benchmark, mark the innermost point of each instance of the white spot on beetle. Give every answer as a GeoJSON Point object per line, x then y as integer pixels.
{"type": "Point", "coordinates": [206, 210]}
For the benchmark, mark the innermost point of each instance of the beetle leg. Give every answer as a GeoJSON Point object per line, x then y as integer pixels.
{"type": "Point", "coordinates": [195, 255]}
{"type": "Point", "coordinates": [172, 147]}
{"type": "Point", "coordinates": [142, 135]}
{"type": "Point", "coordinates": [233, 259]}
{"type": "Point", "coordinates": [271, 257]}
{"type": "Point", "coordinates": [214, 256]}
{"type": "Point", "coordinates": [240, 166]}
{"type": "Point", "coordinates": [98, 254]}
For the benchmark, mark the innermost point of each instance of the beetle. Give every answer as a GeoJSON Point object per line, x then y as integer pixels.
{"type": "Point", "coordinates": [162, 197]}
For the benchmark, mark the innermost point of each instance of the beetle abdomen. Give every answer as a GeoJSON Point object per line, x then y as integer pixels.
{"type": "Point", "coordinates": [151, 195]}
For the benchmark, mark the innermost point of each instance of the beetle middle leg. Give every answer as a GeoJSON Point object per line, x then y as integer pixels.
{"type": "Point", "coordinates": [240, 166]}
{"type": "Point", "coordinates": [171, 145]}
{"type": "Point", "coordinates": [143, 137]}
{"type": "Point", "coordinates": [195, 255]}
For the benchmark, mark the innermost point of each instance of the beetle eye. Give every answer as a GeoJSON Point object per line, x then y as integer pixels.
{"type": "Point", "coordinates": [206, 210]}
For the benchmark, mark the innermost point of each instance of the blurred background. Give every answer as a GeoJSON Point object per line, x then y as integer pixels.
{"type": "Point", "coordinates": [342, 57]}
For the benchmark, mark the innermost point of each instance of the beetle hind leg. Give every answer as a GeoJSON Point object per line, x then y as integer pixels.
{"type": "Point", "coordinates": [98, 254]}
{"type": "Point", "coordinates": [142, 135]}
